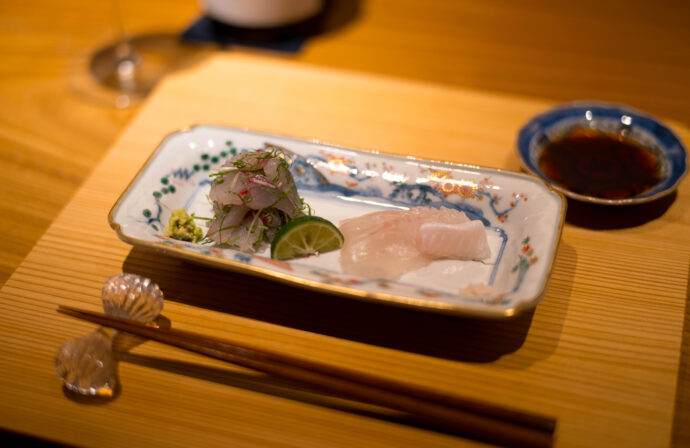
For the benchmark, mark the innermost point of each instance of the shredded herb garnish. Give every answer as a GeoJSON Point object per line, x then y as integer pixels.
{"type": "Point", "coordinates": [237, 183]}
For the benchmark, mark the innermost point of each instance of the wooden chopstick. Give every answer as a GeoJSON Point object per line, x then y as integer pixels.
{"type": "Point", "coordinates": [471, 418]}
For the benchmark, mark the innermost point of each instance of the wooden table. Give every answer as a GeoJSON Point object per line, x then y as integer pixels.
{"type": "Point", "coordinates": [52, 141]}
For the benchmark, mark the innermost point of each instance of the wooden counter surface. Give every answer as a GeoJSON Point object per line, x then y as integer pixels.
{"type": "Point", "coordinates": [633, 52]}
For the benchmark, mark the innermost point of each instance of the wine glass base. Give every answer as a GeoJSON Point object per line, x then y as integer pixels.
{"type": "Point", "coordinates": [121, 75]}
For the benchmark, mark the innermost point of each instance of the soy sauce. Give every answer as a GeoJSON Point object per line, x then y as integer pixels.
{"type": "Point", "coordinates": [593, 163]}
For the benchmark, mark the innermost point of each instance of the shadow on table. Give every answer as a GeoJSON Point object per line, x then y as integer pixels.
{"type": "Point", "coordinates": [269, 385]}
{"type": "Point", "coordinates": [13, 438]}
{"type": "Point", "coordinates": [395, 327]}
{"type": "Point", "coordinates": [278, 387]}
{"type": "Point", "coordinates": [607, 217]}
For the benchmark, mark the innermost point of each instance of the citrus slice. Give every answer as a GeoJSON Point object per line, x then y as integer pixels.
{"type": "Point", "coordinates": [304, 236]}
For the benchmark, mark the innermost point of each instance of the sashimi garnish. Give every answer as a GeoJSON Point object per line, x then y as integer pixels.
{"type": "Point", "coordinates": [253, 194]}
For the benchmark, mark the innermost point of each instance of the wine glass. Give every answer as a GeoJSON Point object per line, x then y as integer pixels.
{"type": "Point", "coordinates": [123, 72]}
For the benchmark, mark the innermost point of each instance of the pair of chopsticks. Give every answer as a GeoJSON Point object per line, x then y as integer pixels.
{"type": "Point", "coordinates": [467, 417]}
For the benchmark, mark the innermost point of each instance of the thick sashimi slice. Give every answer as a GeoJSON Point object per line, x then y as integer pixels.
{"type": "Point", "coordinates": [385, 255]}
{"type": "Point", "coordinates": [387, 244]}
{"type": "Point", "coordinates": [467, 240]}
{"type": "Point", "coordinates": [403, 220]}
{"type": "Point", "coordinates": [363, 227]}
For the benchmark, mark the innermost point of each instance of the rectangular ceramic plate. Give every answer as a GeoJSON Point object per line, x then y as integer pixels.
{"type": "Point", "coordinates": [523, 218]}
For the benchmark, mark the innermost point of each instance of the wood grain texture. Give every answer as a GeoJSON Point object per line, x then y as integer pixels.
{"type": "Point", "coordinates": [600, 353]}
{"type": "Point", "coordinates": [50, 136]}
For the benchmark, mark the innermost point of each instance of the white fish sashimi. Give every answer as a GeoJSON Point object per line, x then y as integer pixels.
{"type": "Point", "coordinates": [224, 225]}
{"type": "Point", "coordinates": [278, 172]}
{"type": "Point", "coordinates": [360, 227]}
{"type": "Point", "coordinates": [248, 160]}
{"type": "Point", "coordinates": [385, 255]}
{"type": "Point", "coordinates": [466, 241]}
{"type": "Point", "coordinates": [231, 188]}
{"type": "Point", "coordinates": [249, 233]}
{"type": "Point", "coordinates": [265, 194]}
{"type": "Point", "coordinates": [402, 220]}
{"type": "Point", "coordinates": [262, 192]}
{"type": "Point", "coordinates": [387, 244]}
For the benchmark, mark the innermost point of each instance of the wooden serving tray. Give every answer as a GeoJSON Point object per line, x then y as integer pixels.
{"type": "Point", "coordinates": [600, 353]}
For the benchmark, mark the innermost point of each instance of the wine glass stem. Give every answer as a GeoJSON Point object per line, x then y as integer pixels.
{"type": "Point", "coordinates": [126, 54]}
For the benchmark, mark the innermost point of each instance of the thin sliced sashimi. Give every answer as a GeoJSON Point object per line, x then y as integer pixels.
{"type": "Point", "coordinates": [223, 227]}
{"type": "Point", "coordinates": [252, 195]}
{"type": "Point", "coordinates": [467, 240]}
{"type": "Point", "coordinates": [278, 173]}
{"type": "Point", "coordinates": [262, 192]}
{"type": "Point", "coordinates": [249, 160]}
{"type": "Point", "coordinates": [230, 188]}
{"type": "Point", "coordinates": [248, 234]}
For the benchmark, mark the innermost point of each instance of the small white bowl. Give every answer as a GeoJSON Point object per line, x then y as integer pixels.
{"type": "Point", "coordinates": [260, 13]}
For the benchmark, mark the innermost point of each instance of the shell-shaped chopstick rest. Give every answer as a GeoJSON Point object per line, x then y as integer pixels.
{"type": "Point", "coordinates": [87, 366]}
{"type": "Point", "coordinates": [130, 296]}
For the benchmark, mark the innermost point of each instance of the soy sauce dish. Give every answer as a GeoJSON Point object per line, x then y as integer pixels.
{"type": "Point", "coordinates": [603, 153]}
